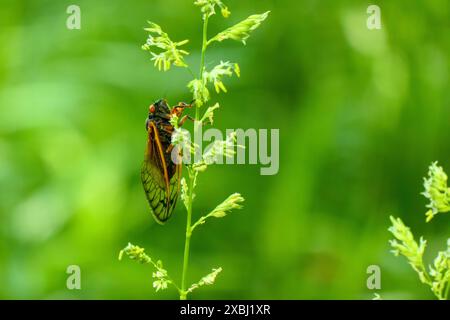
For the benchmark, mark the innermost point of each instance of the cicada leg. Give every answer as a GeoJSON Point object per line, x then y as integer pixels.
{"type": "Point", "coordinates": [169, 148]}
{"type": "Point", "coordinates": [183, 120]}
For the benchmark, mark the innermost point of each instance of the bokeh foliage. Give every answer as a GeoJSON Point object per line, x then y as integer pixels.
{"type": "Point", "coordinates": [361, 115]}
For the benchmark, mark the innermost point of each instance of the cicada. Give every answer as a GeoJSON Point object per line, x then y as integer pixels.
{"type": "Point", "coordinates": [161, 175]}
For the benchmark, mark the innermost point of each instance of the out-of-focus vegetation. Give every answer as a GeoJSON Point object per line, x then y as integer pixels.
{"type": "Point", "coordinates": [361, 115]}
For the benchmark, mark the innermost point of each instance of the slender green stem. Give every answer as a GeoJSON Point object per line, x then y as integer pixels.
{"type": "Point", "coordinates": [447, 291]}
{"type": "Point", "coordinates": [202, 59]}
{"type": "Point", "coordinates": [426, 275]}
{"type": "Point", "coordinates": [192, 176]}
{"type": "Point", "coordinates": [187, 242]}
{"type": "Point", "coordinates": [204, 45]}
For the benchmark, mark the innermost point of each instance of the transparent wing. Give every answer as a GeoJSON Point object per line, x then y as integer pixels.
{"type": "Point", "coordinates": [160, 189]}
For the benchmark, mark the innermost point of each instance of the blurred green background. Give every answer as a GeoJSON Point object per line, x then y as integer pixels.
{"type": "Point", "coordinates": [361, 115]}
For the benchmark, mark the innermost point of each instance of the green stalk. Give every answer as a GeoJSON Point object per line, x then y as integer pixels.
{"type": "Point", "coordinates": [183, 292]}
{"type": "Point", "coordinates": [447, 291]}
{"type": "Point", "coordinates": [202, 59]}
{"type": "Point", "coordinates": [192, 174]}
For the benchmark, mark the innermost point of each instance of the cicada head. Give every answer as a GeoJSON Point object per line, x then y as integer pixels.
{"type": "Point", "coordinates": [157, 110]}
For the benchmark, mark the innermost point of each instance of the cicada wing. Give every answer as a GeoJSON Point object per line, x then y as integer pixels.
{"type": "Point", "coordinates": [174, 187]}
{"type": "Point", "coordinates": [160, 189]}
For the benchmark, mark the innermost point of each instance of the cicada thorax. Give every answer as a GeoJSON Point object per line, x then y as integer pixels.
{"type": "Point", "coordinates": [160, 175]}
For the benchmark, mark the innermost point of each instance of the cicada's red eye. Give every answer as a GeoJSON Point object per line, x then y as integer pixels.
{"type": "Point", "coordinates": [152, 108]}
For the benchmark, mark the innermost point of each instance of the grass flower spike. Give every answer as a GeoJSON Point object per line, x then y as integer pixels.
{"type": "Point", "coordinates": [437, 191]}
{"type": "Point", "coordinates": [241, 31]}
{"type": "Point", "coordinates": [164, 51]}
{"type": "Point", "coordinates": [207, 280]}
{"type": "Point", "coordinates": [135, 253]}
{"type": "Point", "coordinates": [440, 273]}
{"type": "Point", "coordinates": [199, 91]}
{"type": "Point", "coordinates": [233, 202]}
{"type": "Point", "coordinates": [219, 149]}
{"type": "Point", "coordinates": [208, 8]}
{"type": "Point", "coordinates": [408, 247]}
{"type": "Point", "coordinates": [216, 74]}
{"type": "Point", "coordinates": [160, 276]}
{"type": "Point", "coordinates": [209, 114]}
